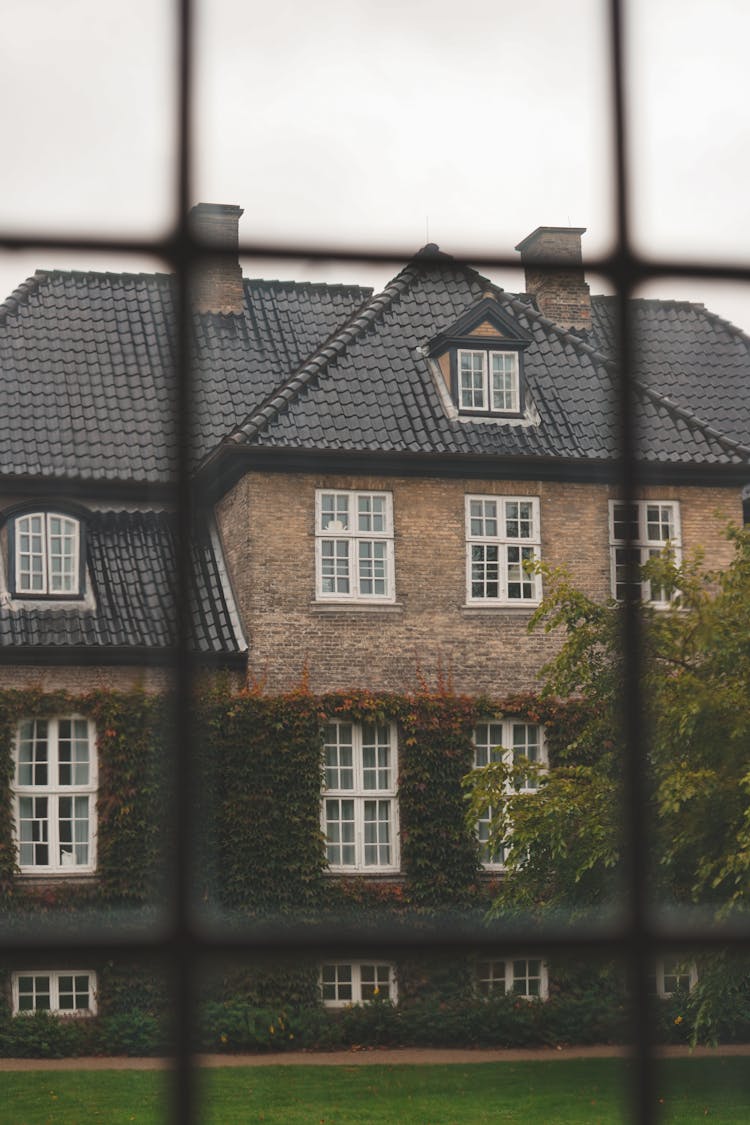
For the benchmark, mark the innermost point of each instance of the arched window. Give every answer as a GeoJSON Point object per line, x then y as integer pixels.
{"type": "Point", "coordinates": [45, 555]}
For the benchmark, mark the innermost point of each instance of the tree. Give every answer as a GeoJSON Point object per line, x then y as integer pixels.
{"type": "Point", "coordinates": [565, 841]}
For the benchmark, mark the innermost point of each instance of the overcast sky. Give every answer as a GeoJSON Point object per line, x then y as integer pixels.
{"type": "Point", "coordinates": [374, 121]}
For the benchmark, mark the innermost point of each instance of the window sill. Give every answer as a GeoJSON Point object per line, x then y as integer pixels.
{"type": "Point", "coordinates": [392, 874]}
{"type": "Point", "coordinates": [504, 609]}
{"type": "Point", "coordinates": [44, 878]}
{"type": "Point", "coordinates": [356, 607]}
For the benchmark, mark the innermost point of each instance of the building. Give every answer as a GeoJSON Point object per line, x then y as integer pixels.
{"type": "Point", "coordinates": [370, 474]}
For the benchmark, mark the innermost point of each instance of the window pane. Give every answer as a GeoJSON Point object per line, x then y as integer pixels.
{"type": "Point", "coordinates": [504, 381]}
{"type": "Point", "coordinates": [471, 380]}
{"type": "Point", "coordinates": [33, 829]}
{"type": "Point", "coordinates": [371, 513]}
{"type": "Point", "coordinates": [339, 756]}
{"type": "Point", "coordinates": [335, 566]}
{"type": "Point", "coordinates": [488, 739]}
{"type": "Point", "coordinates": [485, 571]}
{"type": "Point", "coordinates": [625, 521]}
{"type": "Point", "coordinates": [373, 568]}
{"type": "Point", "coordinates": [334, 511]}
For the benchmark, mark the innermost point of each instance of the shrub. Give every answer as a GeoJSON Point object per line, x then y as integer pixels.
{"type": "Point", "coordinates": [131, 1033]}
{"type": "Point", "coordinates": [40, 1035]}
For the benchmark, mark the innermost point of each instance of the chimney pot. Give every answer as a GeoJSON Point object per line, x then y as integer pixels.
{"type": "Point", "coordinates": [217, 279]}
{"type": "Point", "coordinates": [561, 294]}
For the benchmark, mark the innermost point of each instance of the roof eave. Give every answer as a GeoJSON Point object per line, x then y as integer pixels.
{"type": "Point", "coordinates": [232, 460]}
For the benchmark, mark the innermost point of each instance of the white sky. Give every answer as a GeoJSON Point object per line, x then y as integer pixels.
{"type": "Point", "coordinates": [381, 121]}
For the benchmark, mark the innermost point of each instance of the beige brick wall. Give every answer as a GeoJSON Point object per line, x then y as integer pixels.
{"type": "Point", "coordinates": [267, 525]}
{"type": "Point", "coordinates": [78, 679]}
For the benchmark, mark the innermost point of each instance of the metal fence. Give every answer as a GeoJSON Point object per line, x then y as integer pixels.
{"type": "Point", "coordinates": [183, 943]}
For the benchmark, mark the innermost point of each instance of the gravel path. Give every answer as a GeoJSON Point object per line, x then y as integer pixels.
{"type": "Point", "coordinates": [365, 1057]}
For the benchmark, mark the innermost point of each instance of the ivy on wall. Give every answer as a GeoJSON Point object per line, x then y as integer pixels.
{"type": "Point", "coordinates": [260, 772]}
{"type": "Point", "coordinates": [133, 753]}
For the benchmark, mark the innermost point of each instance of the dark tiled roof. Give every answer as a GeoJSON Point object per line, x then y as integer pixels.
{"type": "Point", "coordinates": [87, 369]}
{"type": "Point", "coordinates": [695, 358]}
{"type": "Point", "coordinates": [87, 376]}
{"type": "Point", "coordinates": [131, 565]}
{"type": "Point", "coordinates": [371, 387]}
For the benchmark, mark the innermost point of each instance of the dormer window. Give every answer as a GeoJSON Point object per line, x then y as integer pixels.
{"type": "Point", "coordinates": [45, 555]}
{"type": "Point", "coordinates": [488, 381]}
{"type": "Point", "coordinates": [478, 363]}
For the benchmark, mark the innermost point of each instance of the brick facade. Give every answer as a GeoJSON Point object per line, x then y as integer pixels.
{"type": "Point", "coordinates": [267, 527]}
{"type": "Point", "coordinates": [78, 679]}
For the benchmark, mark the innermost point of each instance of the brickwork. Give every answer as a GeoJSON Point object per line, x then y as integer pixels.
{"type": "Point", "coordinates": [267, 525]}
{"type": "Point", "coordinates": [562, 295]}
{"type": "Point", "coordinates": [216, 283]}
{"type": "Point", "coordinates": [78, 679]}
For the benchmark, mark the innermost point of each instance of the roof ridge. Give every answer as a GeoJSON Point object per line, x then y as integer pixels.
{"type": "Point", "coordinates": [732, 328]}
{"type": "Point", "coordinates": [681, 303]}
{"type": "Point", "coordinates": [290, 283]}
{"type": "Point", "coordinates": [332, 348]}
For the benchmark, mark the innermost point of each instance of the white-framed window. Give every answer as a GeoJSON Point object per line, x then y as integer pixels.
{"type": "Point", "coordinates": [511, 741]}
{"type": "Point", "coordinates": [356, 982]}
{"type": "Point", "coordinates": [354, 546]}
{"type": "Point", "coordinates": [519, 976]}
{"type": "Point", "coordinates": [488, 381]}
{"type": "Point", "coordinates": [672, 974]}
{"type": "Point", "coordinates": [649, 526]}
{"type": "Point", "coordinates": [66, 992]}
{"type": "Point", "coordinates": [360, 809]}
{"type": "Point", "coordinates": [54, 794]}
{"type": "Point", "coordinates": [502, 535]}
{"type": "Point", "coordinates": [46, 555]}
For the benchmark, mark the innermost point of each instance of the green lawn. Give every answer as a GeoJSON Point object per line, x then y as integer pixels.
{"type": "Point", "coordinates": [549, 1093]}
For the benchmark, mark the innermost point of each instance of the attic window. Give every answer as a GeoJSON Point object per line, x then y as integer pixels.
{"type": "Point", "coordinates": [480, 361]}
{"type": "Point", "coordinates": [46, 556]}
{"type": "Point", "coordinates": [488, 381]}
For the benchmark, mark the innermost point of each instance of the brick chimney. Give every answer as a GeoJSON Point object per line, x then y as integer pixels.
{"type": "Point", "coordinates": [217, 281]}
{"type": "Point", "coordinates": [561, 294]}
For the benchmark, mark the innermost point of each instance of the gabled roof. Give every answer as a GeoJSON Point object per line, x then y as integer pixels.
{"type": "Point", "coordinates": [132, 603]}
{"type": "Point", "coordinates": [87, 386]}
{"type": "Point", "coordinates": [87, 390]}
{"type": "Point", "coordinates": [373, 388]}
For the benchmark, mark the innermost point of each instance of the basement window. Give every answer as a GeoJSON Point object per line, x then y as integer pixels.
{"type": "Point", "coordinates": [672, 974]}
{"type": "Point", "coordinates": [356, 982]}
{"type": "Point", "coordinates": [517, 976]}
{"type": "Point", "coordinates": [63, 993]}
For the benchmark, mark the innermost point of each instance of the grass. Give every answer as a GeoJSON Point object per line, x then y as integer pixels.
{"type": "Point", "coordinates": [569, 1092]}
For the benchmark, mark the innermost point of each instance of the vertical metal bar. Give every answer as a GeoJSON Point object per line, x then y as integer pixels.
{"type": "Point", "coordinates": [634, 823]}
{"type": "Point", "coordinates": [182, 949]}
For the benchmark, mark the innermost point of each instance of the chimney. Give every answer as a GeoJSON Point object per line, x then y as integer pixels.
{"type": "Point", "coordinates": [217, 281]}
{"type": "Point", "coordinates": [561, 294]}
